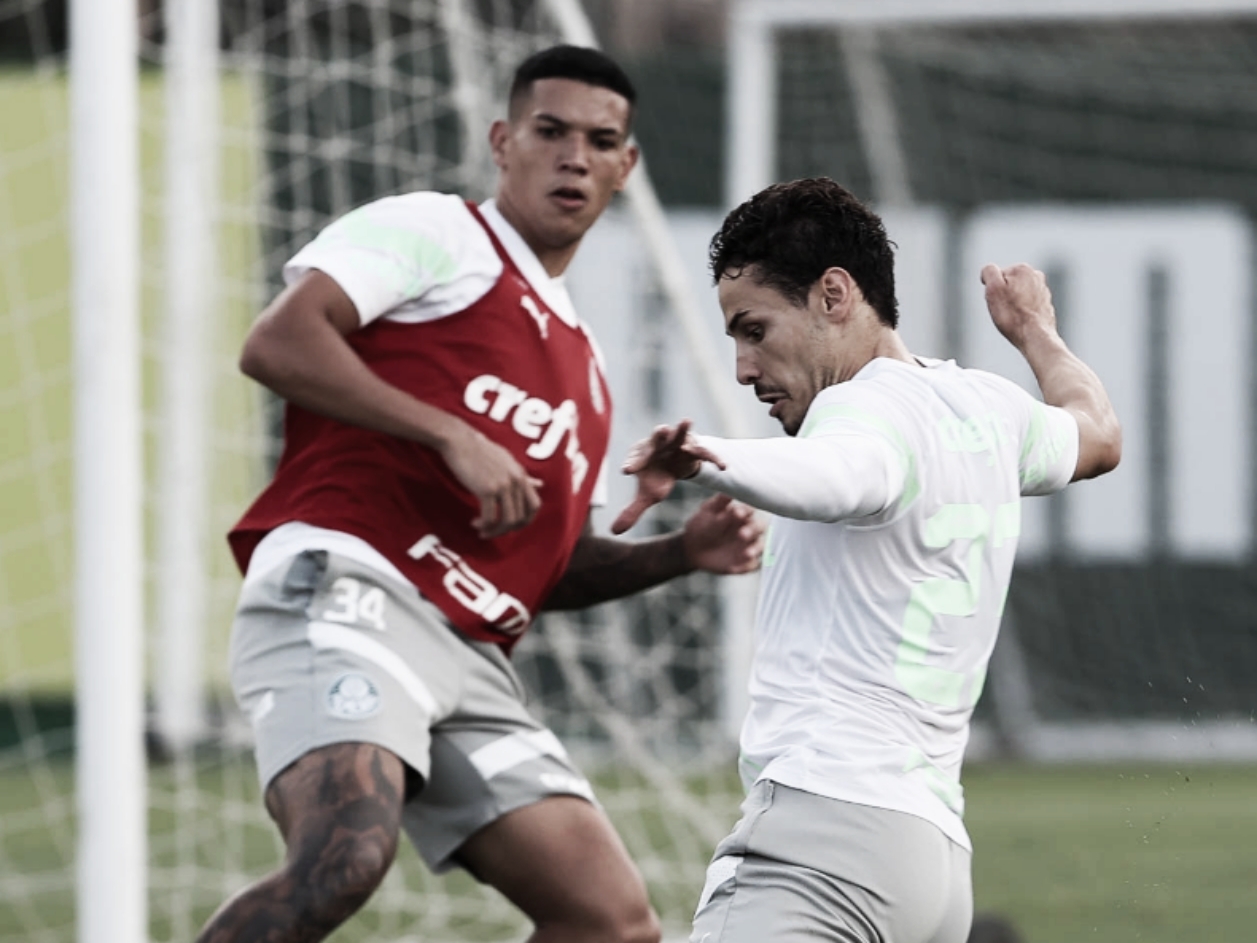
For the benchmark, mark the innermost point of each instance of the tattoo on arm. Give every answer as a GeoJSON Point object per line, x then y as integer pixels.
{"type": "Point", "coordinates": [604, 568]}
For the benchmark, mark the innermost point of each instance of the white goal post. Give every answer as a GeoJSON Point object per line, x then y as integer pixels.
{"type": "Point", "coordinates": [108, 571]}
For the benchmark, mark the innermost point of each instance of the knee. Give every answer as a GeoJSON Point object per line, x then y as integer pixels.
{"type": "Point", "coordinates": [634, 922]}
{"type": "Point", "coordinates": [642, 927]}
{"type": "Point", "coordinates": [621, 921]}
{"type": "Point", "coordinates": [341, 876]}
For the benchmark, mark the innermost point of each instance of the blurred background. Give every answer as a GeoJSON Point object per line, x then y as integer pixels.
{"type": "Point", "coordinates": [1112, 777]}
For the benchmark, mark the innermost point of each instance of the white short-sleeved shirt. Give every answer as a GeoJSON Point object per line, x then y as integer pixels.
{"type": "Point", "coordinates": [412, 258]}
{"type": "Point", "coordinates": [873, 631]}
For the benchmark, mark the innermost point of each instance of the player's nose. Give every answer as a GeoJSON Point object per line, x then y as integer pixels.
{"type": "Point", "coordinates": [746, 369]}
{"type": "Point", "coordinates": [574, 154]}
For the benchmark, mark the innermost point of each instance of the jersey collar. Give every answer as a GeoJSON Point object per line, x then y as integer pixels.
{"type": "Point", "coordinates": [553, 291]}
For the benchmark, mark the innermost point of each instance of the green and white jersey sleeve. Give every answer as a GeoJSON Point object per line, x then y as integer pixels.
{"type": "Point", "coordinates": [884, 583]}
{"type": "Point", "coordinates": [422, 256]}
{"type": "Point", "coordinates": [390, 255]}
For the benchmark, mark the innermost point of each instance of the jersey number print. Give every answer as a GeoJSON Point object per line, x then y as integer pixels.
{"type": "Point", "coordinates": [934, 599]}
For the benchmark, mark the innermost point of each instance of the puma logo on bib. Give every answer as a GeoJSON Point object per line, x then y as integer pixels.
{"type": "Point", "coordinates": [541, 317]}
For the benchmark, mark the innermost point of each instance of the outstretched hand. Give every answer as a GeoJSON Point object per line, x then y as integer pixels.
{"type": "Point", "coordinates": [724, 536]}
{"type": "Point", "coordinates": [670, 454]}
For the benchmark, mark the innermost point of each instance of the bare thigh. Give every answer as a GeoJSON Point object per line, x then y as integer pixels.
{"type": "Point", "coordinates": [339, 811]}
{"type": "Point", "coordinates": [560, 862]}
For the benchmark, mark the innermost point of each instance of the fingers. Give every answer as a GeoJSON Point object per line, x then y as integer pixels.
{"type": "Point", "coordinates": [725, 536]}
{"type": "Point", "coordinates": [992, 275]}
{"type": "Point", "coordinates": [683, 441]}
{"type": "Point", "coordinates": [633, 512]}
{"type": "Point", "coordinates": [669, 449]}
{"type": "Point", "coordinates": [752, 557]}
{"type": "Point", "coordinates": [1012, 277]}
{"type": "Point", "coordinates": [660, 440]}
{"type": "Point", "coordinates": [508, 509]}
{"type": "Point", "coordinates": [487, 521]}
{"type": "Point", "coordinates": [694, 450]}
{"type": "Point", "coordinates": [751, 537]}
{"type": "Point", "coordinates": [717, 502]}
{"type": "Point", "coordinates": [638, 457]}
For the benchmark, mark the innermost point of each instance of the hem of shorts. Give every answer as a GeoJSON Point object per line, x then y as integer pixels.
{"type": "Point", "coordinates": [444, 862]}
{"type": "Point", "coordinates": [315, 743]}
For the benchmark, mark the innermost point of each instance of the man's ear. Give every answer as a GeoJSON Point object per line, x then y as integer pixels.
{"type": "Point", "coordinates": [631, 155]}
{"type": "Point", "coordinates": [837, 291]}
{"type": "Point", "coordinates": [499, 132]}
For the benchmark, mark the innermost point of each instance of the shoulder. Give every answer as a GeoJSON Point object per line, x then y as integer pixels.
{"type": "Point", "coordinates": [993, 383]}
{"type": "Point", "coordinates": [878, 387]}
{"type": "Point", "coordinates": [422, 213]}
{"type": "Point", "coordinates": [962, 389]}
{"type": "Point", "coordinates": [861, 405]}
{"type": "Point", "coordinates": [432, 233]}
{"type": "Point", "coordinates": [998, 394]}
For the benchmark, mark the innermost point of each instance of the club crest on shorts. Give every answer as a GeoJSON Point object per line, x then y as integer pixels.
{"type": "Point", "coordinates": [352, 697]}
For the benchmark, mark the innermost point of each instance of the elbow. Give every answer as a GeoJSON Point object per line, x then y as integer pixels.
{"type": "Point", "coordinates": [1113, 453]}
{"type": "Point", "coordinates": [1111, 446]}
{"type": "Point", "coordinates": [252, 361]}
{"type": "Point", "coordinates": [1103, 453]}
{"type": "Point", "coordinates": [261, 358]}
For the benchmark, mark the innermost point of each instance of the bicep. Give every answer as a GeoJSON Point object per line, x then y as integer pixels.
{"type": "Point", "coordinates": [309, 313]}
{"type": "Point", "coordinates": [314, 294]}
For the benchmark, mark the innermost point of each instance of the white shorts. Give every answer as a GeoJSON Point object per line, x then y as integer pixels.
{"type": "Point", "coordinates": [801, 868]}
{"type": "Point", "coordinates": [326, 649]}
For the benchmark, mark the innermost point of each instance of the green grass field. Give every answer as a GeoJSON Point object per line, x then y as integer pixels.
{"type": "Point", "coordinates": [1119, 854]}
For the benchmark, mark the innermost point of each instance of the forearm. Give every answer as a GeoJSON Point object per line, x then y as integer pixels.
{"type": "Point", "coordinates": [1066, 381]}
{"type": "Point", "coordinates": [822, 479]}
{"type": "Point", "coordinates": [318, 371]}
{"type": "Point", "coordinates": [604, 568]}
{"type": "Point", "coordinates": [1063, 378]}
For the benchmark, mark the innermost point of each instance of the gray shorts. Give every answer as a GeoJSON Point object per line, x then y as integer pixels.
{"type": "Point", "coordinates": [327, 650]}
{"type": "Point", "coordinates": [799, 867]}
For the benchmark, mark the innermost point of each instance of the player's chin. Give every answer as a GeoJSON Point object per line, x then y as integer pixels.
{"type": "Point", "coordinates": [567, 228]}
{"type": "Point", "coordinates": [791, 426]}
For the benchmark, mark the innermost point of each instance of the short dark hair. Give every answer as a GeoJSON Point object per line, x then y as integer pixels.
{"type": "Point", "coordinates": [792, 232]}
{"type": "Point", "coordinates": [578, 63]}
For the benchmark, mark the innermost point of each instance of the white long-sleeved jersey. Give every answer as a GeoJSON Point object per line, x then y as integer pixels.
{"type": "Point", "coordinates": [885, 576]}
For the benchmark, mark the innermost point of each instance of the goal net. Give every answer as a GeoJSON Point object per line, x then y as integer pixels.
{"type": "Point", "coordinates": [1110, 144]}
{"type": "Point", "coordinates": [311, 108]}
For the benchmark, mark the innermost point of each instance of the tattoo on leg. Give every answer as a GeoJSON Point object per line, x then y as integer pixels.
{"type": "Point", "coordinates": [339, 810]}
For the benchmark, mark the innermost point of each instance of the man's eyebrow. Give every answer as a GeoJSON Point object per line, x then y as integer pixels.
{"type": "Point", "coordinates": [606, 129]}
{"type": "Point", "coordinates": [733, 321]}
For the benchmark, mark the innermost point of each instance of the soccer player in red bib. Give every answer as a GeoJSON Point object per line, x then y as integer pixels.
{"type": "Point", "coordinates": [446, 426]}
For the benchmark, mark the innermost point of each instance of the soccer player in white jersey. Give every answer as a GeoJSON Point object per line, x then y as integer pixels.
{"type": "Point", "coordinates": [446, 424]}
{"type": "Point", "coordinates": [897, 510]}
